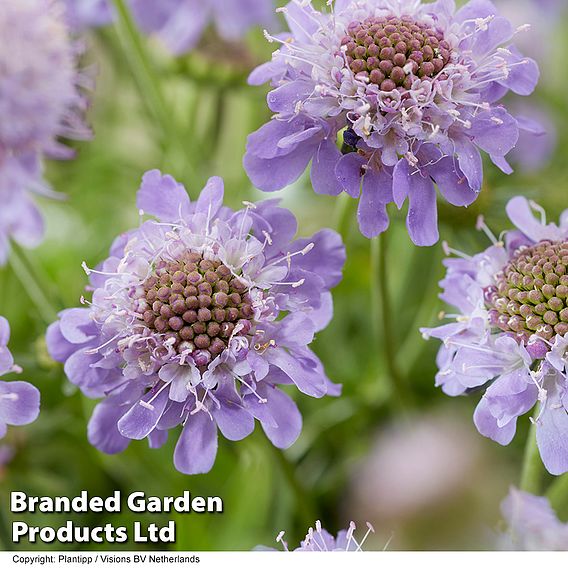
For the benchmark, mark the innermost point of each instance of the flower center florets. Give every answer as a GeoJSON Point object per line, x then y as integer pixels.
{"type": "Point", "coordinates": [199, 304]}
{"type": "Point", "coordinates": [530, 295]}
{"type": "Point", "coordinates": [390, 51]}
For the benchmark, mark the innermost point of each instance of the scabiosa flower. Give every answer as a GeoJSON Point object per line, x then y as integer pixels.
{"type": "Point", "coordinates": [532, 524]}
{"type": "Point", "coordinates": [39, 102]}
{"type": "Point", "coordinates": [510, 331]}
{"type": "Point", "coordinates": [196, 318]}
{"type": "Point", "coordinates": [319, 540]}
{"type": "Point", "coordinates": [181, 23]}
{"type": "Point", "coordinates": [409, 89]}
{"type": "Point", "coordinates": [19, 401]}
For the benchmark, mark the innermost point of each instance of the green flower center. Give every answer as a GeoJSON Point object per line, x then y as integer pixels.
{"type": "Point", "coordinates": [530, 295]}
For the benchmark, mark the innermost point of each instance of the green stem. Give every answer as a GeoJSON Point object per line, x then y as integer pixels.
{"type": "Point", "coordinates": [147, 79]}
{"type": "Point", "coordinates": [531, 473]}
{"type": "Point", "coordinates": [376, 290]}
{"type": "Point", "coordinates": [382, 304]}
{"type": "Point", "coordinates": [341, 214]}
{"type": "Point", "coordinates": [141, 66]}
{"type": "Point", "coordinates": [30, 285]}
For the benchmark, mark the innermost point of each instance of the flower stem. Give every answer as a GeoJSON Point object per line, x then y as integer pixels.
{"type": "Point", "coordinates": [341, 214]}
{"type": "Point", "coordinates": [146, 78]}
{"type": "Point", "coordinates": [531, 472]}
{"type": "Point", "coordinates": [30, 285]}
{"type": "Point", "coordinates": [382, 303]}
{"type": "Point", "coordinates": [140, 63]}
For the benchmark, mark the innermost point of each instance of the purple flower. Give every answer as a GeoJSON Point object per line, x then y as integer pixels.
{"type": "Point", "coordinates": [196, 319]}
{"type": "Point", "coordinates": [84, 14]}
{"type": "Point", "coordinates": [542, 41]}
{"type": "Point", "coordinates": [19, 401]}
{"type": "Point", "coordinates": [39, 102]}
{"type": "Point", "coordinates": [553, 7]}
{"type": "Point", "coordinates": [537, 138]}
{"type": "Point", "coordinates": [411, 91]}
{"type": "Point", "coordinates": [7, 454]}
{"type": "Point", "coordinates": [510, 331]}
{"type": "Point", "coordinates": [181, 23]}
{"type": "Point", "coordinates": [319, 540]}
{"type": "Point", "coordinates": [533, 525]}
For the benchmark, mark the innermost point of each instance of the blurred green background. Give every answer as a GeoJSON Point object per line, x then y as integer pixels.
{"type": "Point", "coordinates": [420, 474]}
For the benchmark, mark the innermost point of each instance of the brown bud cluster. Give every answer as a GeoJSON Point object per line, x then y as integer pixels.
{"type": "Point", "coordinates": [380, 48]}
{"type": "Point", "coordinates": [197, 302]}
{"type": "Point", "coordinates": [530, 295]}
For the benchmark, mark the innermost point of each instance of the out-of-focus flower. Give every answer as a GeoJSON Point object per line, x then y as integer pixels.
{"type": "Point", "coordinates": [510, 330]}
{"type": "Point", "coordinates": [412, 91]}
{"type": "Point", "coordinates": [7, 453]}
{"type": "Point", "coordinates": [319, 540]}
{"type": "Point", "coordinates": [552, 6]}
{"type": "Point", "coordinates": [537, 136]}
{"type": "Point", "coordinates": [179, 24]}
{"type": "Point", "coordinates": [196, 319]}
{"type": "Point", "coordinates": [543, 38]}
{"type": "Point", "coordinates": [537, 139]}
{"type": "Point", "coordinates": [415, 466]}
{"type": "Point", "coordinates": [532, 523]}
{"type": "Point", "coordinates": [19, 401]}
{"type": "Point", "coordinates": [39, 102]}
{"type": "Point", "coordinates": [84, 14]}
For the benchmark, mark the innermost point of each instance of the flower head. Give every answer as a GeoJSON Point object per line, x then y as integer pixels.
{"type": "Point", "coordinates": [319, 540]}
{"type": "Point", "coordinates": [388, 98]}
{"type": "Point", "coordinates": [510, 331]}
{"type": "Point", "coordinates": [181, 23]}
{"type": "Point", "coordinates": [196, 318]}
{"type": "Point", "coordinates": [19, 401]}
{"type": "Point", "coordinates": [532, 524]}
{"type": "Point", "coordinates": [39, 102]}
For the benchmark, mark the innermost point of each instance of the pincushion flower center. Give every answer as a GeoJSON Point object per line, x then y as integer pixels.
{"type": "Point", "coordinates": [389, 50]}
{"type": "Point", "coordinates": [531, 293]}
{"type": "Point", "coordinates": [198, 303]}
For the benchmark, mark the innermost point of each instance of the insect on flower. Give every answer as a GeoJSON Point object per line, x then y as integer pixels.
{"type": "Point", "coordinates": [390, 99]}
